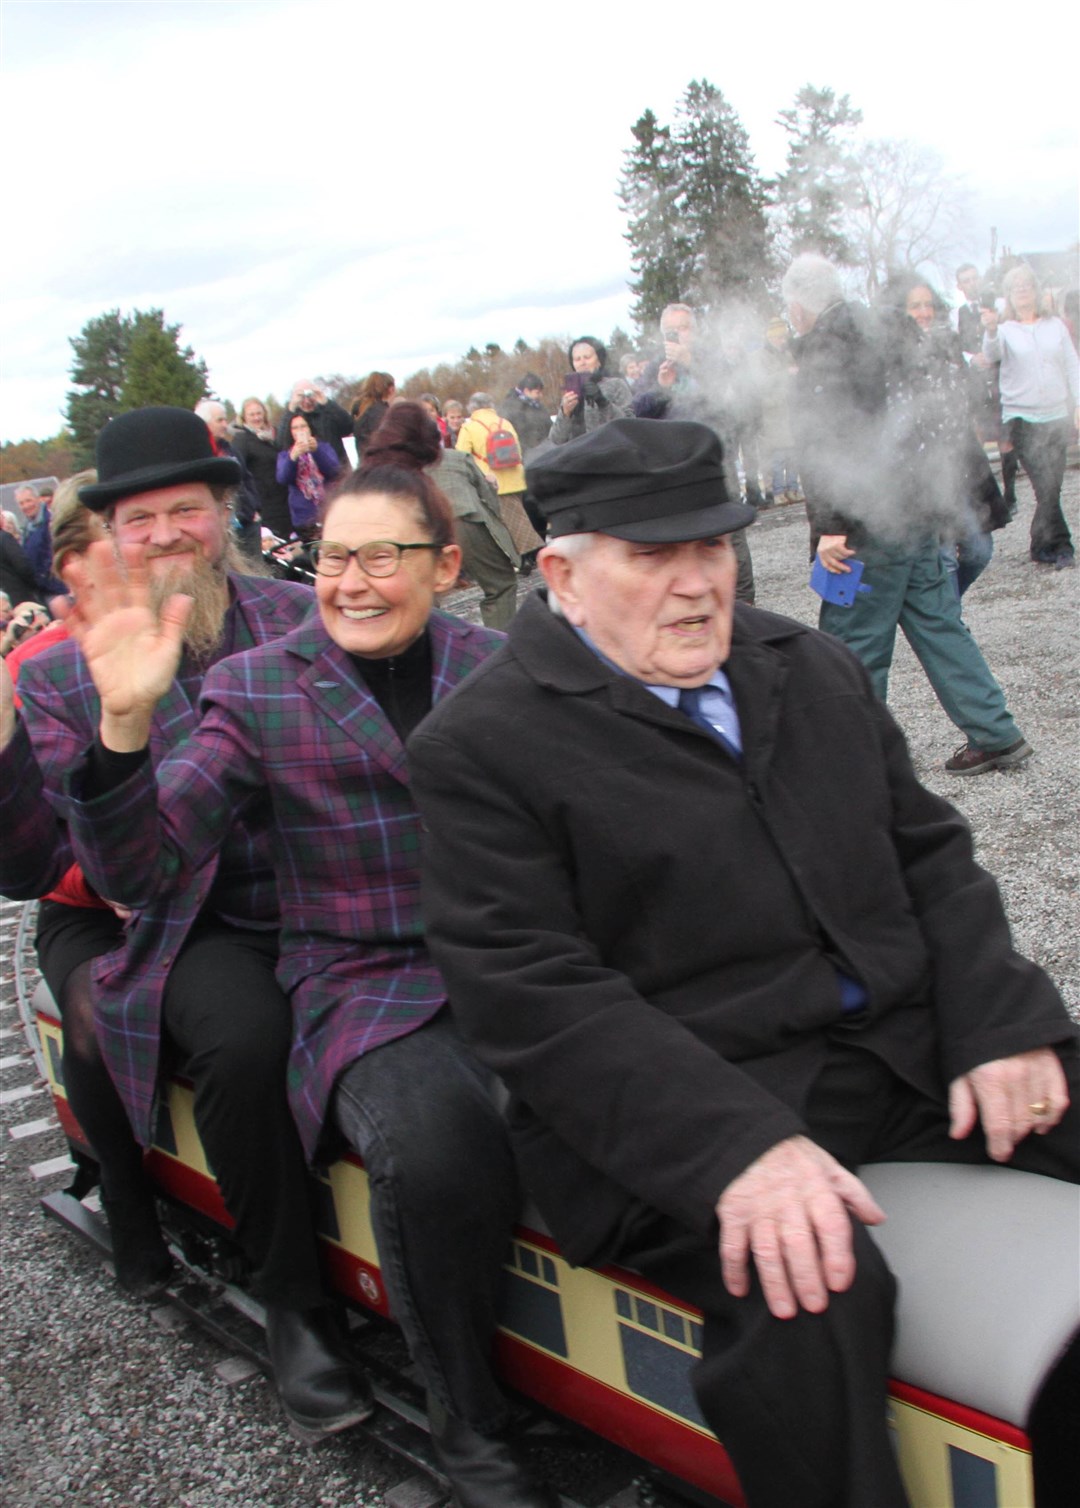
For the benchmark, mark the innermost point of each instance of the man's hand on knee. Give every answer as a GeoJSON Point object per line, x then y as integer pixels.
{"type": "Point", "coordinates": [1011, 1097]}
{"type": "Point", "coordinates": [790, 1211]}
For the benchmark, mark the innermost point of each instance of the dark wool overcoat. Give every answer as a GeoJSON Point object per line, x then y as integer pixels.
{"type": "Point", "coordinates": [641, 933]}
{"type": "Point", "coordinates": [292, 742]}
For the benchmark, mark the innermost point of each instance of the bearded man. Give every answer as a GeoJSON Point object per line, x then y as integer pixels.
{"type": "Point", "coordinates": [188, 982]}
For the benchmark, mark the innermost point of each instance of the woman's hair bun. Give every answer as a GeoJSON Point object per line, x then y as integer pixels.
{"type": "Point", "coordinates": [408, 436]}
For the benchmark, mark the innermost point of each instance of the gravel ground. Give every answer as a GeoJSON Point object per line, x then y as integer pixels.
{"type": "Point", "coordinates": [101, 1406]}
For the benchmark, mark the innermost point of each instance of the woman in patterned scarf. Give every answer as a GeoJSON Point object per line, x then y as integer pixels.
{"type": "Point", "coordinates": [305, 469]}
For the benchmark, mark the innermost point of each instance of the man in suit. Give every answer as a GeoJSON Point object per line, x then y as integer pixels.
{"type": "Point", "coordinates": [189, 980]}
{"type": "Point", "coordinates": [693, 906]}
{"type": "Point", "coordinates": [966, 320]}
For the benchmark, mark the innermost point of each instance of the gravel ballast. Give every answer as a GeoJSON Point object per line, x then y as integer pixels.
{"type": "Point", "coordinates": [101, 1405]}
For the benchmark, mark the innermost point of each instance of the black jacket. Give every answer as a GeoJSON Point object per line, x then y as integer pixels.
{"type": "Point", "coordinates": [260, 458]}
{"type": "Point", "coordinates": [532, 422]}
{"type": "Point", "coordinates": [838, 415]}
{"type": "Point", "coordinates": [17, 572]}
{"type": "Point", "coordinates": [641, 935]}
{"type": "Point", "coordinates": [366, 425]}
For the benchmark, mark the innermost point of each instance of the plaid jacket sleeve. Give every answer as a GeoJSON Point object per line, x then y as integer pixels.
{"type": "Point", "coordinates": [150, 835]}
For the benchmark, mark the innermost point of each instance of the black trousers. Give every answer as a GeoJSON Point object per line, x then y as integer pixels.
{"type": "Point", "coordinates": [228, 1027]}
{"type": "Point", "coordinates": [800, 1404]}
{"type": "Point", "coordinates": [444, 1195]}
{"type": "Point", "coordinates": [1041, 449]}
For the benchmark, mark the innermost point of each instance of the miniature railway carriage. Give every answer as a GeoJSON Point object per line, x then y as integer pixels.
{"type": "Point", "coordinates": [989, 1268]}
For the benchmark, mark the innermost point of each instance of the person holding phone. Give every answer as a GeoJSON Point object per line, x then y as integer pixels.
{"type": "Point", "coordinates": [590, 397]}
{"type": "Point", "coordinates": [306, 468]}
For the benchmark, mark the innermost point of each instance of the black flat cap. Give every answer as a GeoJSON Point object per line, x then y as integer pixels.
{"type": "Point", "coordinates": [655, 481]}
{"type": "Point", "coordinates": [150, 448]}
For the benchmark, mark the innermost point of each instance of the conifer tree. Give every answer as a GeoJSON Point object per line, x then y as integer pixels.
{"type": "Point", "coordinates": [649, 195]}
{"type": "Point", "coordinates": [722, 202]}
{"type": "Point", "coordinates": [104, 386]}
{"type": "Point", "coordinates": [157, 371]}
{"type": "Point", "coordinates": [819, 182]}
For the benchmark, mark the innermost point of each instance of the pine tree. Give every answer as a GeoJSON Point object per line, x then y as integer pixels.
{"type": "Point", "coordinates": [104, 386]}
{"type": "Point", "coordinates": [157, 371]}
{"type": "Point", "coordinates": [100, 352]}
{"type": "Point", "coordinates": [649, 195]}
{"type": "Point", "coordinates": [722, 202]}
{"type": "Point", "coordinates": [819, 181]}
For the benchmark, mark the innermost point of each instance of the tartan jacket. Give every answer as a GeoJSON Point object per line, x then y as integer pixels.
{"type": "Point", "coordinates": [289, 732]}
{"type": "Point", "coordinates": [61, 709]}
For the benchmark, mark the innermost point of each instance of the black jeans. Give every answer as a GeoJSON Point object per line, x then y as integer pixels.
{"type": "Point", "coordinates": [444, 1196]}
{"type": "Point", "coordinates": [230, 1029]}
{"type": "Point", "coordinates": [800, 1404]}
{"type": "Point", "coordinates": [1041, 450]}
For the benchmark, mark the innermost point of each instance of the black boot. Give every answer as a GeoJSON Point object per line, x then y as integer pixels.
{"type": "Point", "coordinates": [482, 1469]}
{"type": "Point", "coordinates": [319, 1390]}
{"type": "Point", "coordinates": [140, 1256]}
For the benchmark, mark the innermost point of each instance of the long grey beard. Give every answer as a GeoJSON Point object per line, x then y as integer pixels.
{"type": "Point", "coordinates": [206, 585]}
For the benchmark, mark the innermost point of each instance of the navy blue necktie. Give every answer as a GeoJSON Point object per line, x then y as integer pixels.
{"type": "Point", "coordinates": [690, 704]}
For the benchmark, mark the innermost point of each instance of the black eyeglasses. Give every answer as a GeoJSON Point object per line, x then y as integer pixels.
{"type": "Point", "coordinates": [380, 557]}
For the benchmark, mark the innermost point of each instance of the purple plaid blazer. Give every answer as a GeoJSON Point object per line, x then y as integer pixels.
{"type": "Point", "coordinates": [61, 710]}
{"type": "Point", "coordinates": [289, 733]}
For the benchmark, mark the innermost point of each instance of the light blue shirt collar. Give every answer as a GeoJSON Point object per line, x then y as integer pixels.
{"type": "Point", "coordinates": [717, 701]}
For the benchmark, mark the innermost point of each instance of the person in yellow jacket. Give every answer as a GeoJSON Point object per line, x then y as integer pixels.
{"type": "Point", "coordinates": [509, 481]}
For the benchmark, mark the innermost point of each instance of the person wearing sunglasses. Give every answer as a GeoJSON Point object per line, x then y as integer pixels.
{"type": "Point", "coordinates": [307, 734]}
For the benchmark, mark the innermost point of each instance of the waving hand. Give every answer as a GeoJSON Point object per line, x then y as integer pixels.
{"type": "Point", "coordinates": [131, 649]}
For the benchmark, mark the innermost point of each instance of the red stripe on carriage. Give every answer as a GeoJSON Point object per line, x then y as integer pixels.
{"type": "Point", "coordinates": [958, 1413]}
{"type": "Point", "coordinates": [189, 1186]}
{"type": "Point", "coordinates": [626, 1422]}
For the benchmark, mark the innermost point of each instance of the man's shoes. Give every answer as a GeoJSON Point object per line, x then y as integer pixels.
{"type": "Point", "coordinates": [482, 1469]}
{"type": "Point", "coordinates": [1064, 560]}
{"type": "Point", "coordinates": [969, 761]}
{"type": "Point", "coordinates": [320, 1392]}
{"type": "Point", "coordinates": [143, 1265]}
{"type": "Point", "coordinates": [1044, 557]}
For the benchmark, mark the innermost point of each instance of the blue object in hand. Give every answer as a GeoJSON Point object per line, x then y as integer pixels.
{"type": "Point", "coordinates": [839, 589]}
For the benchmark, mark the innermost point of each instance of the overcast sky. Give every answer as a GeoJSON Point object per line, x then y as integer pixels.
{"type": "Point", "coordinates": [318, 186]}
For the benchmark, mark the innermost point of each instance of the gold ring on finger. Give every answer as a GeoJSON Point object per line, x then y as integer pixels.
{"type": "Point", "coordinates": [1039, 1107]}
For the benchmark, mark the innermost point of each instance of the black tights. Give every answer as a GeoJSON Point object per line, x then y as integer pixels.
{"type": "Point", "coordinates": [92, 1094]}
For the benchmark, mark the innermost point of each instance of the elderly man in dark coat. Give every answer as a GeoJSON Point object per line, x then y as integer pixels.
{"type": "Point", "coordinates": [692, 904]}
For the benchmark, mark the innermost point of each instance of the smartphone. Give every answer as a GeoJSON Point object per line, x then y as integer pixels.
{"type": "Point", "coordinates": [573, 382]}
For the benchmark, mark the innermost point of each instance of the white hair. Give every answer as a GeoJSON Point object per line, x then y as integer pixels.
{"type": "Point", "coordinates": [207, 408]}
{"type": "Point", "coordinates": [812, 282]}
{"type": "Point", "coordinates": [569, 547]}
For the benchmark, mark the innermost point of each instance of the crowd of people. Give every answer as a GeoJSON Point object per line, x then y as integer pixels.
{"type": "Point", "coordinates": [348, 860]}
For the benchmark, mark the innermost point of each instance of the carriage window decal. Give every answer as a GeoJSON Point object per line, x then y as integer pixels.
{"type": "Point", "coordinates": [531, 1304]}
{"type": "Point", "coordinates": [658, 1347]}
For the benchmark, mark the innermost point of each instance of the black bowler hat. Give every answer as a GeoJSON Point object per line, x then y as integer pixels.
{"type": "Point", "coordinates": [150, 448]}
{"type": "Point", "coordinates": [655, 481]}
